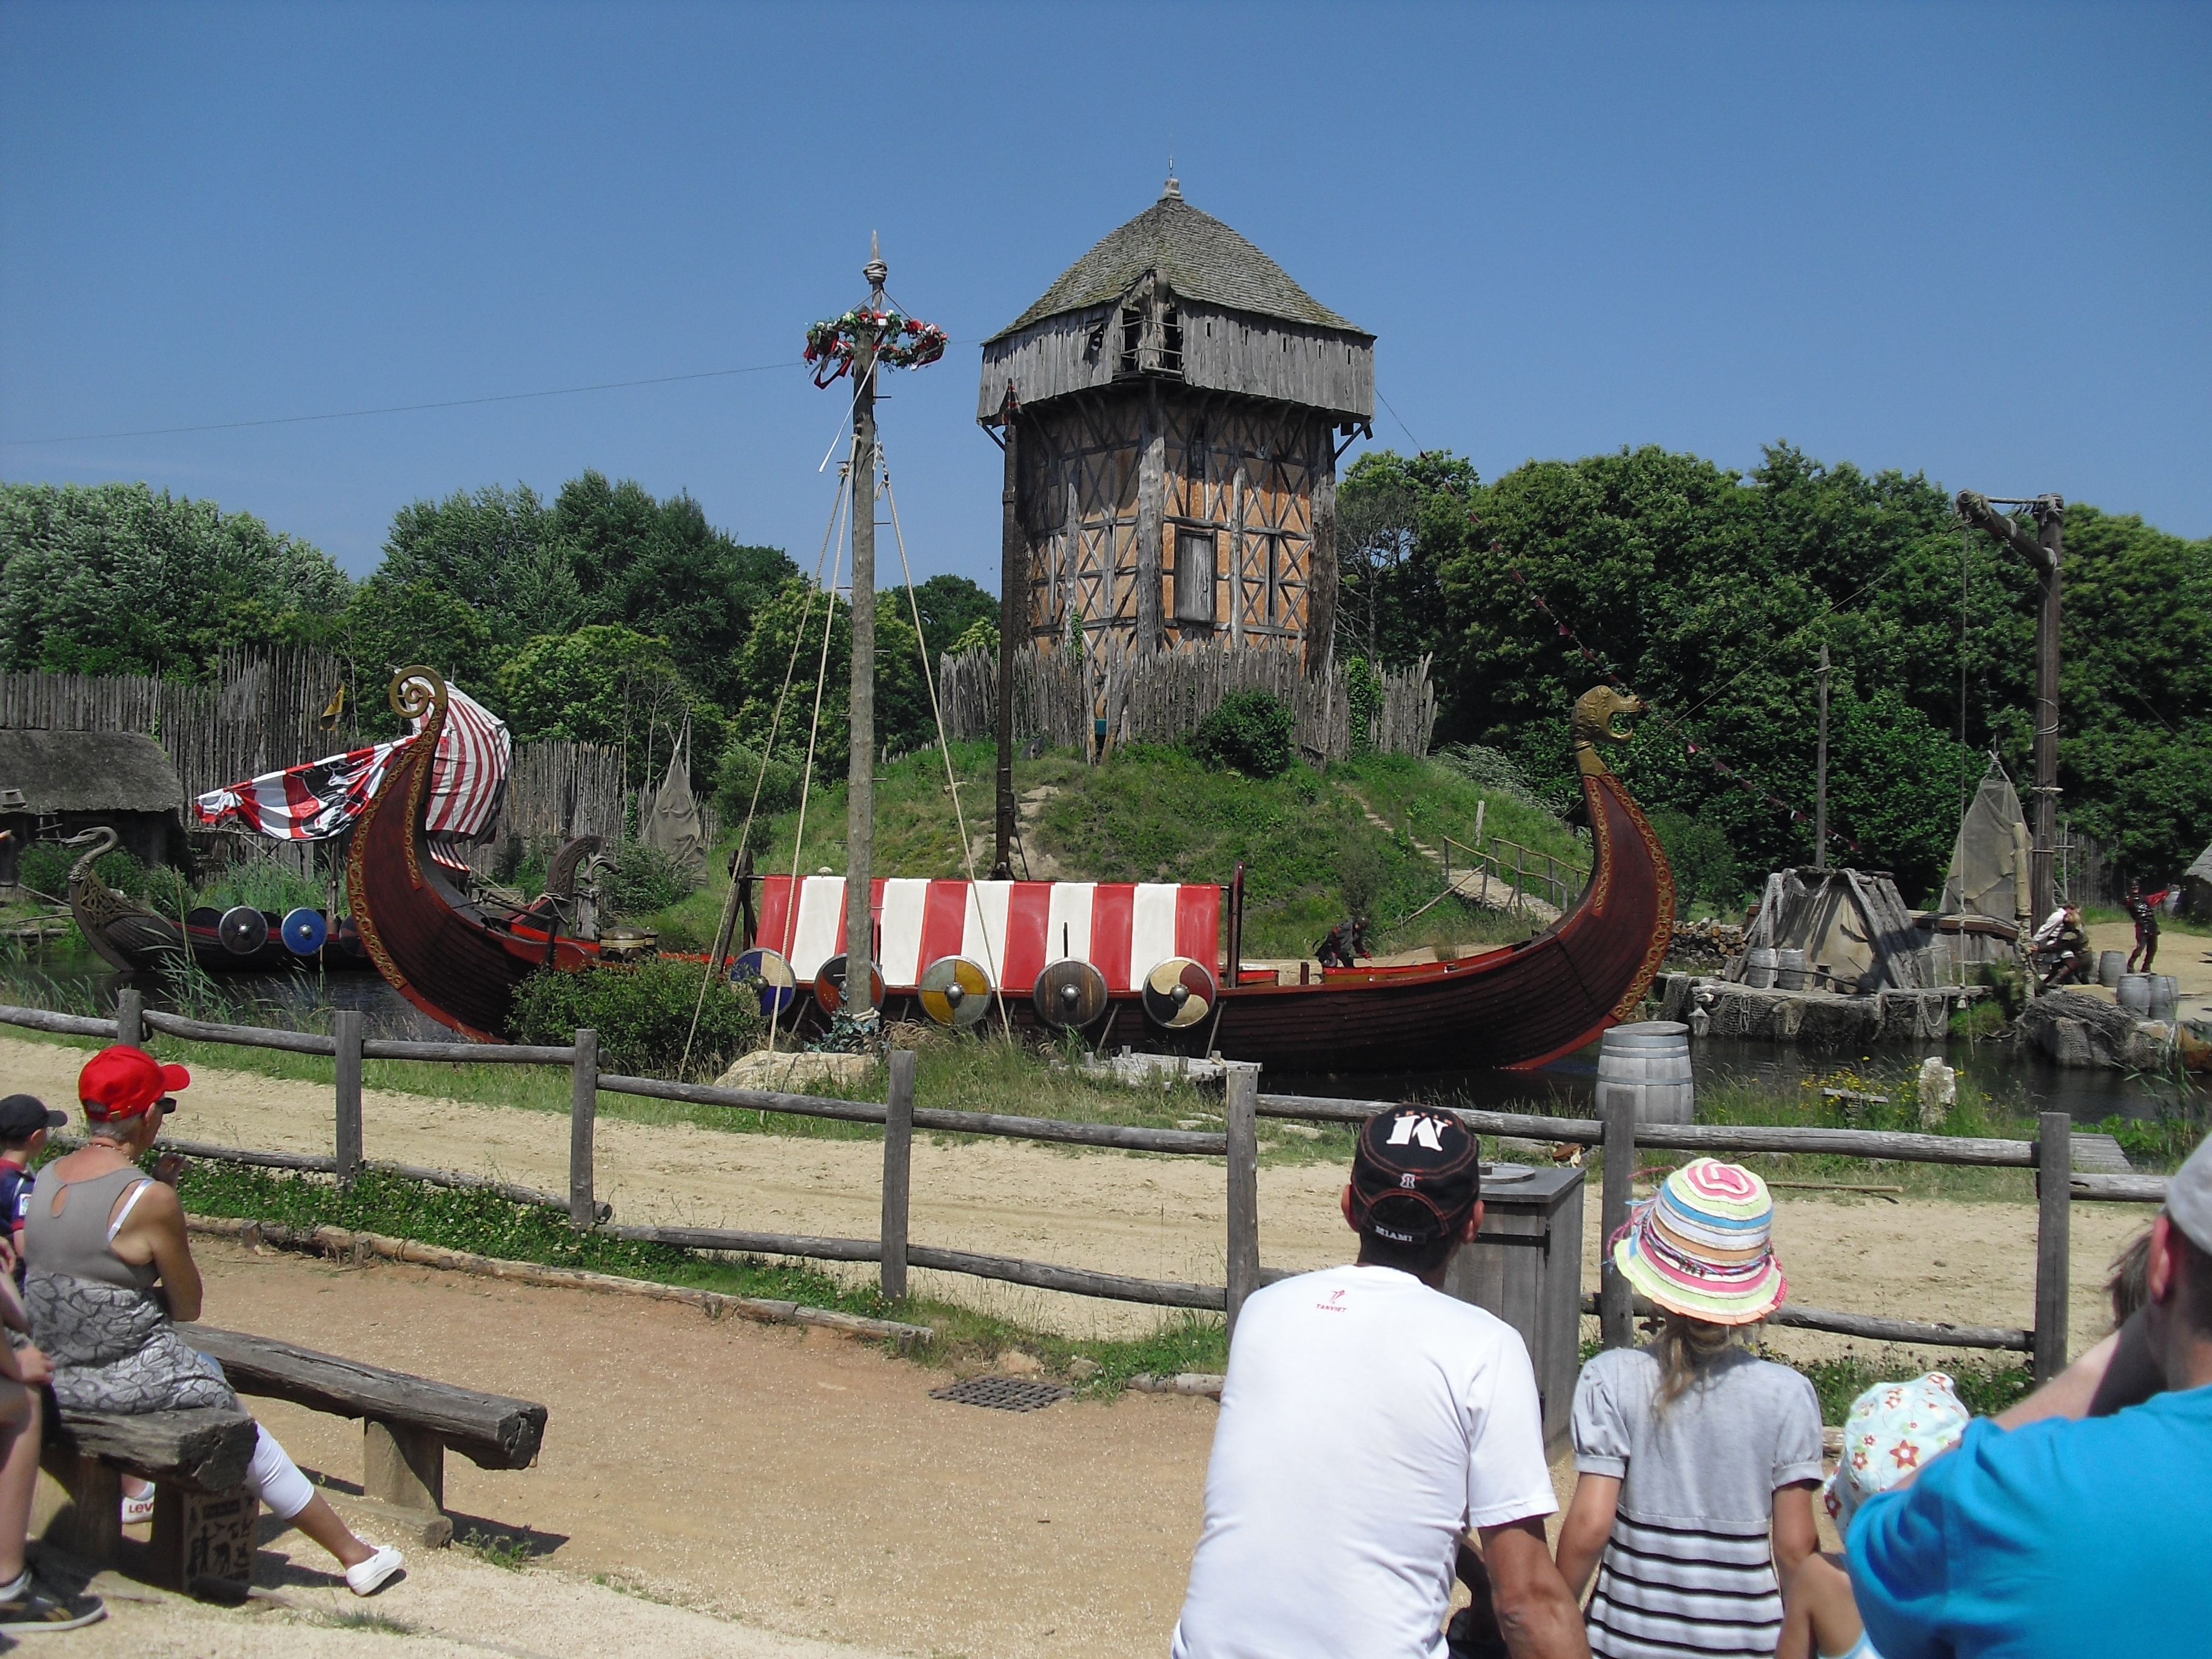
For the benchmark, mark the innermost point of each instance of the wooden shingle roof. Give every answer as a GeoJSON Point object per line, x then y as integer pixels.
{"type": "Point", "coordinates": [1199, 258]}
{"type": "Point", "coordinates": [88, 771]}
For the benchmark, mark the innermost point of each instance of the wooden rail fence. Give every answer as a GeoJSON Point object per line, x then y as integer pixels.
{"type": "Point", "coordinates": [1616, 1133]}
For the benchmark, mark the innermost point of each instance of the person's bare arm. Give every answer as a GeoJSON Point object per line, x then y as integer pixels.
{"type": "Point", "coordinates": [1795, 1535]}
{"type": "Point", "coordinates": [155, 1233]}
{"type": "Point", "coordinates": [1588, 1525]}
{"type": "Point", "coordinates": [1536, 1611]}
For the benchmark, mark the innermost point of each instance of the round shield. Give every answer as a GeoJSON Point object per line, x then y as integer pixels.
{"type": "Point", "coordinates": [1069, 995]}
{"type": "Point", "coordinates": [829, 984]}
{"type": "Point", "coordinates": [770, 975]}
{"type": "Point", "coordinates": [243, 930]}
{"type": "Point", "coordinates": [1178, 992]}
{"type": "Point", "coordinates": [954, 991]}
{"type": "Point", "coordinates": [304, 930]}
{"type": "Point", "coordinates": [203, 916]}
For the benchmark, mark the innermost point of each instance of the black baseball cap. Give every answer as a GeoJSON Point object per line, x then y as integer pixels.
{"type": "Point", "coordinates": [1416, 1174]}
{"type": "Point", "coordinates": [23, 1116]}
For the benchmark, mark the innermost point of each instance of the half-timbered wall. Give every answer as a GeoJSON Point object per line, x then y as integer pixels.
{"type": "Point", "coordinates": [1228, 554]}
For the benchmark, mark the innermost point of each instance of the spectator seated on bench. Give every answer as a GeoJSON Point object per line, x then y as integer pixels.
{"type": "Point", "coordinates": [111, 1267]}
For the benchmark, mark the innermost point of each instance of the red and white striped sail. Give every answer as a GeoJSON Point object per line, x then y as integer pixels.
{"type": "Point", "coordinates": [324, 798]}
{"type": "Point", "coordinates": [1010, 928]}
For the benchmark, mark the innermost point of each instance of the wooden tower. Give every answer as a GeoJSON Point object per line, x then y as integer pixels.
{"type": "Point", "coordinates": [1172, 409]}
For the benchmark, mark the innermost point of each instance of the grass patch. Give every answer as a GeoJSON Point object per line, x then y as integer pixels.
{"type": "Point", "coordinates": [1986, 1387]}
{"type": "Point", "coordinates": [511, 1551]}
{"type": "Point", "coordinates": [381, 1624]}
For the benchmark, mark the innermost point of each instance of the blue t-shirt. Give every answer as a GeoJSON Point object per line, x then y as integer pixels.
{"type": "Point", "coordinates": [15, 1184]}
{"type": "Point", "coordinates": [2057, 1537]}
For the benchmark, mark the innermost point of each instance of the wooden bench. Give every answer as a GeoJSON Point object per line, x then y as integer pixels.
{"type": "Point", "coordinates": [205, 1517]}
{"type": "Point", "coordinates": [408, 1423]}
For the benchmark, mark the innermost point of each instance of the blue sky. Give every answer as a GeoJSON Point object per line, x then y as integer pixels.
{"type": "Point", "coordinates": [1972, 241]}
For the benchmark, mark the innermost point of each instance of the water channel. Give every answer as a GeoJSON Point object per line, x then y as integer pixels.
{"type": "Point", "coordinates": [78, 982]}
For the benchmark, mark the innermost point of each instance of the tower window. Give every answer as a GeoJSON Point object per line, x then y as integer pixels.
{"type": "Point", "coordinates": [1170, 341]}
{"type": "Point", "coordinates": [1133, 335]}
{"type": "Point", "coordinates": [1194, 576]}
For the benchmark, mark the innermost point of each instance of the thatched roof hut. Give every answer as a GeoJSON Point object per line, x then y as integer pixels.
{"type": "Point", "coordinates": [56, 783]}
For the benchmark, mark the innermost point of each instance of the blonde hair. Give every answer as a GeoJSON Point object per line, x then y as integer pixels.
{"type": "Point", "coordinates": [1686, 1349]}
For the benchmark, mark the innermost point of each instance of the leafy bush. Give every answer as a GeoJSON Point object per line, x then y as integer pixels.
{"type": "Point", "coordinates": [646, 879]}
{"type": "Point", "coordinates": [1704, 863]}
{"type": "Point", "coordinates": [44, 867]}
{"type": "Point", "coordinates": [642, 1015]}
{"type": "Point", "coordinates": [1250, 732]}
{"type": "Point", "coordinates": [734, 779]}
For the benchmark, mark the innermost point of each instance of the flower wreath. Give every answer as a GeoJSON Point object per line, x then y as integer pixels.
{"type": "Point", "coordinates": [900, 342]}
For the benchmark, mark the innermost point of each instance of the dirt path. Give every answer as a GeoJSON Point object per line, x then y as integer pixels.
{"type": "Point", "coordinates": [1151, 1216]}
{"type": "Point", "coordinates": [801, 1484]}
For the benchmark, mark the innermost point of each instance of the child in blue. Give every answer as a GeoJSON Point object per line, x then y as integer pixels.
{"type": "Point", "coordinates": [24, 1123]}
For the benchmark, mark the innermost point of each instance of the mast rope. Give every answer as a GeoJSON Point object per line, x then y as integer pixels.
{"type": "Point", "coordinates": [952, 784]}
{"type": "Point", "coordinates": [760, 775]}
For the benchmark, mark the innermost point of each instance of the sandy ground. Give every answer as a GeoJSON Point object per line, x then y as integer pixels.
{"type": "Point", "coordinates": [1156, 1216]}
{"type": "Point", "coordinates": [801, 1485]}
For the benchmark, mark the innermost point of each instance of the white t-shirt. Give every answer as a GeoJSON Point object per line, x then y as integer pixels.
{"type": "Point", "coordinates": [1366, 1422]}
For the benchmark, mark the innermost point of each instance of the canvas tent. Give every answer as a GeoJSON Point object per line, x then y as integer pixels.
{"type": "Point", "coordinates": [1856, 932]}
{"type": "Point", "coordinates": [668, 817]}
{"type": "Point", "coordinates": [1985, 905]}
{"type": "Point", "coordinates": [2196, 888]}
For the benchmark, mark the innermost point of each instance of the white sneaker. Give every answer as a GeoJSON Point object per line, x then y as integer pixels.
{"type": "Point", "coordinates": [367, 1577]}
{"type": "Point", "coordinates": [139, 1509]}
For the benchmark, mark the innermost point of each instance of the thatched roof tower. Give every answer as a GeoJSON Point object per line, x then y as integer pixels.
{"type": "Point", "coordinates": [1172, 408]}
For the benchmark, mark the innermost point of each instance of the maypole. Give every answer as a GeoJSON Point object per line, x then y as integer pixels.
{"type": "Point", "coordinates": [859, 342]}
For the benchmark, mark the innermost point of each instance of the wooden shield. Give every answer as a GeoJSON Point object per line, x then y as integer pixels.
{"type": "Point", "coordinates": [954, 991]}
{"type": "Point", "coordinates": [829, 984]}
{"type": "Point", "coordinates": [243, 930]}
{"type": "Point", "coordinates": [1178, 992]}
{"type": "Point", "coordinates": [770, 976]}
{"type": "Point", "coordinates": [1069, 995]}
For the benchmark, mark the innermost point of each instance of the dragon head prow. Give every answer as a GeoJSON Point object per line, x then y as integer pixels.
{"type": "Point", "coordinates": [1595, 712]}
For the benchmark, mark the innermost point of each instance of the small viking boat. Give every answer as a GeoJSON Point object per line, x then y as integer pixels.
{"type": "Point", "coordinates": [121, 929]}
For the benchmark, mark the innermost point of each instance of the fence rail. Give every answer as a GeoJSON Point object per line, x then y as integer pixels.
{"type": "Point", "coordinates": [1616, 1132]}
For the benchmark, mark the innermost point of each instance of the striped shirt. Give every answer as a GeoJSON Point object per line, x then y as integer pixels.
{"type": "Point", "coordinates": [1688, 1572]}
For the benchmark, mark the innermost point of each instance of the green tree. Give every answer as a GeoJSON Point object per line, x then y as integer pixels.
{"type": "Point", "coordinates": [788, 636]}
{"type": "Point", "coordinates": [112, 579]}
{"type": "Point", "coordinates": [606, 684]}
{"type": "Point", "coordinates": [1399, 522]}
{"type": "Point", "coordinates": [952, 608]}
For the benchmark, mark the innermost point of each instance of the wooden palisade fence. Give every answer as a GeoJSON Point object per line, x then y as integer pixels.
{"type": "Point", "coordinates": [1617, 1134]}
{"type": "Point", "coordinates": [1161, 696]}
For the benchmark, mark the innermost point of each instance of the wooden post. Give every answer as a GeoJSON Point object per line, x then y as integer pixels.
{"type": "Point", "coordinates": [898, 1170]}
{"type": "Point", "coordinates": [345, 1031]}
{"type": "Point", "coordinates": [1152, 508]}
{"type": "Point", "coordinates": [1323, 575]}
{"type": "Point", "coordinates": [1820, 775]}
{"type": "Point", "coordinates": [2046, 550]}
{"type": "Point", "coordinates": [1616, 1308]}
{"type": "Point", "coordinates": [130, 1019]}
{"type": "Point", "coordinates": [2054, 1173]}
{"type": "Point", "coordinates": [861, 704]}
{"type": "Point", "coordinates": [1013, 616]}
{"type": "Point", "coordinates": [403, 1465]}
{"type": "Point", "coordinates": [1241, 1109]}
{"type": "Point", "coordinates": [583, 1112]}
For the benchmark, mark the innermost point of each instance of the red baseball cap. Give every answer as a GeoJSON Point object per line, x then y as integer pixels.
{"type": "Point", "coordinates": [124, 1082]}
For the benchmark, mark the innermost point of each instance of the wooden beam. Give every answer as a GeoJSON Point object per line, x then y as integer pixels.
{"type": "Point", "coordinates": [493, 1431]}
{"type": "Point", "coordinates": [1241, 1099]}
{"type": "Point", "coordinates": [898, 1172]}
{"type": "Point", "coordinates": [1077, 1281]}
{"type": "Point", "coordinates": [2053, 1256]}
{"type": "Point", "coordinates": [207, 1448]}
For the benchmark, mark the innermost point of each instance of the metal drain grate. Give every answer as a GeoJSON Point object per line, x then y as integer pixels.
{"type": "Point", "coordinates": [1005, 1394]}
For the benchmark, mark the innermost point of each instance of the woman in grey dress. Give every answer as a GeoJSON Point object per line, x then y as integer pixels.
{"type": "Point", "coordinates": [111, 1269]}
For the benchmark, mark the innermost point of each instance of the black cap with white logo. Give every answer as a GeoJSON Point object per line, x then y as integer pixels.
{"type": "Point", "coordinates": [1416, 1174]}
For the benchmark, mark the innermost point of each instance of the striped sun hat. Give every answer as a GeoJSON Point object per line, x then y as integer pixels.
{"type": "Point", "coordinates": [1704, 1247]}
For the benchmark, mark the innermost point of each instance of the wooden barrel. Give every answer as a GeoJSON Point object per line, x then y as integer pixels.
{"type": "Point", "coordinates": [2110, 964]}
{"type": "Point", "coordinates": [1759, 968]}
{"type": "Point", "coordinates": [1652, 1060]}
{"type": "Point", "coordinates": [1788, 971]}
{"type": "Point", "coordinates": [2164, 990]}
{"type": "Point", "coordinates": [2133, 993]}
